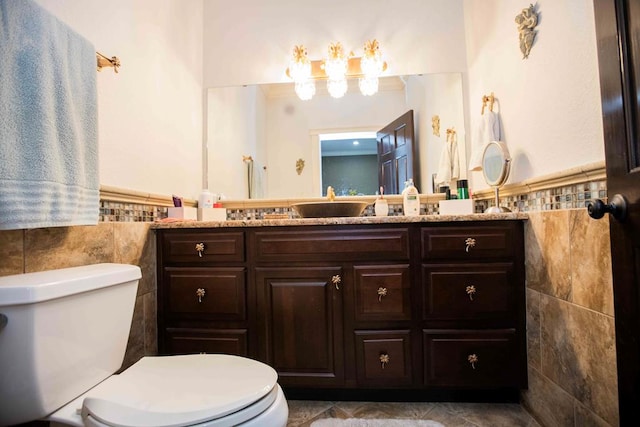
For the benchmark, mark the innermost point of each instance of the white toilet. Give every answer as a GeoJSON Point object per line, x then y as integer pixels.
{"type": "Point", "coordinates": [63, 333]}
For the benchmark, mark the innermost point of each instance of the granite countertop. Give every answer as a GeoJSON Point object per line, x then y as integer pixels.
{"type": "Point", "coordinates": [340, 220]}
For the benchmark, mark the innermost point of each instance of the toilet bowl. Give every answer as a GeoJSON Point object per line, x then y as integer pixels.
{"type": "Point", "coordinates": [65, 335]}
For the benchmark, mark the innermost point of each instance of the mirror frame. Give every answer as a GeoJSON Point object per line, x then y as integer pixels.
{"type": "Point", "coordinates": [506, 164]}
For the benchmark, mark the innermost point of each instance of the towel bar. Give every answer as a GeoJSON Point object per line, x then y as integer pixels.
{"type": "Point", "coordinates": [103, 61]}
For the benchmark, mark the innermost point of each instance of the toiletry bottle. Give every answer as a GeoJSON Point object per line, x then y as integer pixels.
{"type": "Point", "coordinates": [410, 199]}
{"type": "Point", "coordinates": [381, 206]}
{"type": "Point", "coordinates": [463, 189]}
{"type": "Point", "coordinates": [206, 199]}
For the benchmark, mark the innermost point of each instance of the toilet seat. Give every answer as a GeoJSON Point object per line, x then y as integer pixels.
{"type": "Point", "coordinates": [173, 391]}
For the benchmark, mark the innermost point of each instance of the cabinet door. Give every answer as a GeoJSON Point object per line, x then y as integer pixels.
{"type": "Point", "coordinates": [302, 312]}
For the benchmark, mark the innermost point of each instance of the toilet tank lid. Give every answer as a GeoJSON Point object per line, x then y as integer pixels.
{"type": "Point", "coordinates": [29, 288]}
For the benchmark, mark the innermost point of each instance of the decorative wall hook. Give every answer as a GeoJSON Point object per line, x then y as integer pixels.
{"type": "Point", "coordinates": [299, 166]}
{"type": "Point", "coordinates": [527, 21]}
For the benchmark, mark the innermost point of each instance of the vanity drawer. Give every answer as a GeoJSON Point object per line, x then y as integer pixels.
{"type": "Point", "coordinates": [214, 293]}
{"type": "Point", "coordinates": [471, 359]}
{"type": "Point", "coordinates": [332, 245]}
{"type": "Point", "coordinates": [468, 291]}
{"type": "Point", "coordinates": [383, 292]}
{"type": "Point", "coordinates": [202, 248]}
{"type": "Point", "coordinates": [480, 241]}
{"type": "Point", "coordinates": [194, 341]}
{"type": "Point", "coordinates": [383, 358]}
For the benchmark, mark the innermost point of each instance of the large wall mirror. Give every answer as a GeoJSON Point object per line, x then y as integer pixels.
{"type": "Point", "coordinates": [281, 134]}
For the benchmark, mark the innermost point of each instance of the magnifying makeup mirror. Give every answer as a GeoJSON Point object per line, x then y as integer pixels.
{"type": "Point", "coordinates": [496, 164]}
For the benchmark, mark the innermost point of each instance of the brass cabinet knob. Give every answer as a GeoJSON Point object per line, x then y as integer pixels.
{"type": "Point", "coordinates": [473, 359]}
{"type": "Point", "coordinates": [336, 280]}
{"type": "Point", "coordinates": [384, 359]}
{"type": "Point", "coordinates": [470, 242]}
{"type": "Point", "coordinates": [382, 292]}
{"type": "Point", "coordinates": [200, 293]}
{"type": "Point", "coordinates": [200, 248]}
{"type": "Point", "coordinates": [471, 291]}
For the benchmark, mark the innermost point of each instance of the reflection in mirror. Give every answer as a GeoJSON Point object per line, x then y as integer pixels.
{"type": "Point", "coordinates": [348, 163]}
{"type": "Point", "coordinates": [271, 124]}
{"type": "Point", "coordinates": [496, 165]}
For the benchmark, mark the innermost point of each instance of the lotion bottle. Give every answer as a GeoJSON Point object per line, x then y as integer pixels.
{"type": "Point", "coordinates": [410, 199]}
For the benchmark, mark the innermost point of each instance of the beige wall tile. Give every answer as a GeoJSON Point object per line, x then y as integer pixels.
{"type": "Point", "coordinates": [547, 402]}
{"type": "Point", "coordinates": [547, 253]}
{"type": "Point", "coordinates": [134, 243]}
{"type": "Point", "coordinates": [591, 282]}
{"type": "Point", "coordinates": [150, 324]}
{"type": "Point", "coordinates": [135, 345]}
{"type": "Point", "coordinates": [586, 418]}
{"type": "Point", "coordinates": [533, 328]}
{"type": "Point", "coordinates": [60, 247]}
{"type": "Point", "coordinates": [11, 252]}
{"type": "Point", "coordinates": [578, 353]}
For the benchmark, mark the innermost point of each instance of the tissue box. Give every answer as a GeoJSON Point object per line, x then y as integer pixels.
{"type": "Point", "coordinates": [183, 212]}
{"type": "Point", "coordinates": [212, 214]}
{"type": "Point", "coordinates": [457, 207]}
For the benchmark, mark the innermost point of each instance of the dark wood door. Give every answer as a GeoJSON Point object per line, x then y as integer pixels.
{"type": "Point", "coordinates": [301, 308]}
{"type": "Point", "coordinates": [398, 158]}
{"type": "Point", "coordinates": [618, 36]}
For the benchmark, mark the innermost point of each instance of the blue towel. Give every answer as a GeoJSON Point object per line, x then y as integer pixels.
{"type": "Point", "coordinates": [48, 121]}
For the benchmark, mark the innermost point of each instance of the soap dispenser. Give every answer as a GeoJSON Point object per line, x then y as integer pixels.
{"type": "Point", "coordinates": [410, 199]}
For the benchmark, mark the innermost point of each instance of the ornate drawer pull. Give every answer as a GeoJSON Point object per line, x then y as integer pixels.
{"type": "Point", "coordinates": [471, 291]}
{"type": "Point", "coordinates": [200, 293]}
{"type": "Point", "coordinates": [200, 248]}
{"type": "Point", "coordinates": [470, 242]}
{"type": "Point", "coordinates": [336, 280]}
{"type": "Point", "coordinates": [384, 359]}
{"type": "Point", "coordinates": [382, 292]}
{"type": "Point", "coordinates": [473, 359]}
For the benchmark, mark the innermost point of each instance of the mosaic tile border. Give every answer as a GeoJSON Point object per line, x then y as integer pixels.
{"type": "Point", "coordinates": [570, 196]}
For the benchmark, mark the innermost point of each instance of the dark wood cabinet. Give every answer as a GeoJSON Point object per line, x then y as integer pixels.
{"type": "Point", "coordinates": [413, 306]}
{"type": "Point", "coordinates": [301, 321]}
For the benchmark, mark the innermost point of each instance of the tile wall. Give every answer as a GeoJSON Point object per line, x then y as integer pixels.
{"type": "Point", "coordinates": [570, 322]}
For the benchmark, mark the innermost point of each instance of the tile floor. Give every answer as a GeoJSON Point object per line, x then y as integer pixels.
{"type": "Point", "coordinates": [303, 412]}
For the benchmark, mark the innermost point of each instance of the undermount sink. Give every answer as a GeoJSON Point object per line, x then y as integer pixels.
{"type": "Point", "coordinates": [326, 209]}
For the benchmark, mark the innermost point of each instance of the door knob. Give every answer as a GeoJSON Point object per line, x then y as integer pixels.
{"type": "Point", "coordinates": [617, 207]}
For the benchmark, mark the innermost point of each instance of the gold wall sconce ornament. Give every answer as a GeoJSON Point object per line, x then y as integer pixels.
{"type": "Point", "coordinates": [435, 125]}
{"type": "Point", "coordinates": [527, 21]}
{"type": "Point", "coordinates": [299, 166]}
{"type": "Point", "coordinates": [335, 69]}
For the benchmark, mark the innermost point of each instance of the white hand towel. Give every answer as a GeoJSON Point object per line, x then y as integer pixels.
{"type": "Point", "coordinates": [488, 130]}
{"type": "Point", "coordinates": [449, 164]}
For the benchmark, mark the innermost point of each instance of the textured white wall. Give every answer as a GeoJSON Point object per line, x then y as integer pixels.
{"type": "Point", "coordinates": [250, 41]}
{"type": "Point", "coordinates": [549, 103]}
{"type": "Point", "coordinates": [150, 113]}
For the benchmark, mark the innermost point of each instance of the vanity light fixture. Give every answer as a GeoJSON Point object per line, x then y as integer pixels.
{"type": "Point", "coordinates": [335, 69]}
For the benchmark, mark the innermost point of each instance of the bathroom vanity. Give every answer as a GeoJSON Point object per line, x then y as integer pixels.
{"type": "Point", "coordinates": [429, 303]}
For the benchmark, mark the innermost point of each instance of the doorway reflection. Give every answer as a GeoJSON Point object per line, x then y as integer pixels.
{"type": "Point", "coordinates": [349, 163]}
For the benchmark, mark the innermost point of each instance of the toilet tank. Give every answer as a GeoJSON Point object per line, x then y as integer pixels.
{"type": "Point", "coordinates": [64, 332]}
